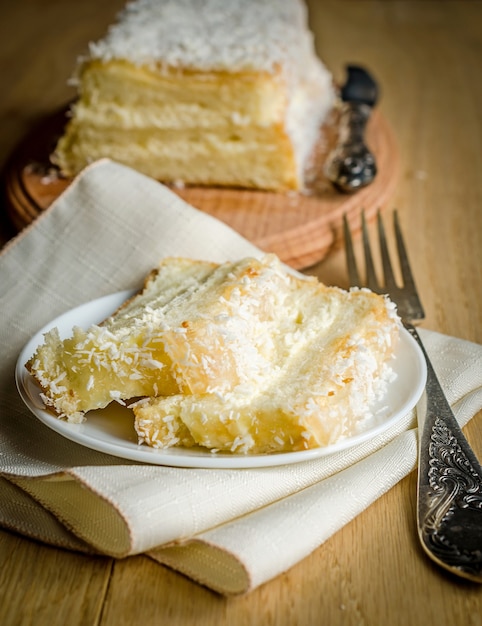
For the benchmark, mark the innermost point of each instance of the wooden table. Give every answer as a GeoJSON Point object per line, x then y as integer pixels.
{"type": "Point", "coordinates": [427, 58]}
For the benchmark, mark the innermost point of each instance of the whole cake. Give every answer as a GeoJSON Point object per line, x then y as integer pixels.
{"type": "Point", "coordinates": [244, 357]}
{"type": "Point", "coordinates": [207, 92]}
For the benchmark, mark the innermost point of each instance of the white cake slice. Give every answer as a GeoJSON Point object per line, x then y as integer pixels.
{"type": "Point", "coordinates": [219, 92]}
{"type": "Point", "coordinates": [245, 357]}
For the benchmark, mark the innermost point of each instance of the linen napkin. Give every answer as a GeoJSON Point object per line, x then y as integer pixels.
{"type": "Point", "coordinates": [228, 529]}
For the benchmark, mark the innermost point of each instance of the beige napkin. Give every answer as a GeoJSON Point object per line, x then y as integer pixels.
{"type": "Point", "coordinates": [228, 529]}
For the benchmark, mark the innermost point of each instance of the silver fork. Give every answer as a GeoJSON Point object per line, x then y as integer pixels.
{"type": "Point", "coordinates": [449, 499]}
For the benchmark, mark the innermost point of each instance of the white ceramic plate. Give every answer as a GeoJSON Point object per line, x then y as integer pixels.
{"type": "Point", "coordinates": [111, 430]}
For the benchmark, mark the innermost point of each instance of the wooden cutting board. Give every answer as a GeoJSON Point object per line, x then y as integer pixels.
{"type": "Point", "coordinates": [300, 228]}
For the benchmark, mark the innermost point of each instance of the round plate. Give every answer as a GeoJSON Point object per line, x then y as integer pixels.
{"type": "Point", "coordinates": [111, 430]}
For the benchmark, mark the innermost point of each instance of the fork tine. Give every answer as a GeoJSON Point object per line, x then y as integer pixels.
{"type": "Point", "coordinates": [407, 276]}
{"type": "Point", "coordinates": [371, 277]}
{"type": "Point", "coordinates": [416, 310]}
{"type": "Point", "coordinates": [353, 274]}
{"type": "Point", "coordinates": [388, 276]}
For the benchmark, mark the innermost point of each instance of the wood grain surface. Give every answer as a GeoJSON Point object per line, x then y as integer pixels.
{"type": "Point", "coordinates": [373, 572]}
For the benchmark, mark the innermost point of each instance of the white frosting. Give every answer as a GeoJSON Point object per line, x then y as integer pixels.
{"type": "Point", "coordinates": [209, 34]}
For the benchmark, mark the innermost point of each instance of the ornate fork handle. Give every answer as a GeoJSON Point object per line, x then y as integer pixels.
{"type": "Point", "coordinates": [449, 483]}
{"type": "Point", "coordinates": [449, 510]}
{"type": "Point", "coordinates": [351, 165]}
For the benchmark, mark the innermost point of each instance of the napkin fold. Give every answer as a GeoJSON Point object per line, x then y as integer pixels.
{"type": "Point", "coordinates": [230, 530]}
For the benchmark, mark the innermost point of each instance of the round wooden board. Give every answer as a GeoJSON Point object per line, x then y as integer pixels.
{"type": "Point", "coordinates": [300, 228]}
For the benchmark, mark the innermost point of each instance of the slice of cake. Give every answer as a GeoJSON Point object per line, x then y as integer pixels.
{"type": "Point", "coordinates": [245, 357]}
{"type": "Point", "coordinates": [120, 358]}
{"type": "Point", "coordinates": [195, 327]}
{"type": "Point", "coordinates": [214, 92]}
{"type": "Point", "coordinates": [328, 366]}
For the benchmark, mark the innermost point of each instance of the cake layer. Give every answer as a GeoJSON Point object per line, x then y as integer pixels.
{"type": "Point", "coordinates": [243, 157]}
{"type": "Point", "coordinates": [177, 99]}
